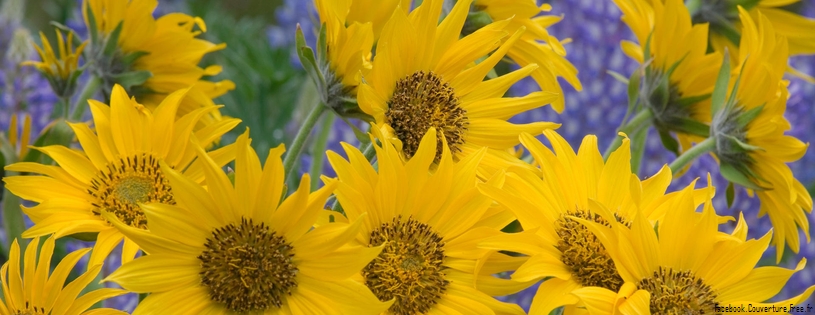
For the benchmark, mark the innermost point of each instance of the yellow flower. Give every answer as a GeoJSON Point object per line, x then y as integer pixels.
{"type": "Point", "coordinates": [760, 102]}
{"type": "Point", "coordinates": [429, 223]}
{"type": "Point", "coordinates": [172, 51]}
{"type": "Point", "coordinates": [29, 289]}
{"type": "Point", "coordinates": [423, 76]}
{"type": "Point", "coordinates": [58, 67]}
{"type": "Point", "coordinates": [687, 267]}
{"type": "Point", "coordinates": [240, 250]}
{"type": "Point", "coordinates": [536, 46]}
{"type": "Point", "coordinates": [675, 43]}
{"type": "Point", "coordinates": [349, 47]}
{"type": "Point", "coordinates": [573, 185]}
{"type": "Point", "coordinates": [117, 169]}
{"type": "Point", "coordinates": [17, 144]}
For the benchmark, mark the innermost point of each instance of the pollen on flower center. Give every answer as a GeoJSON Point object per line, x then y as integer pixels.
{"type": "Point", "coordinates": [409, 268]}
{"type": "Point", "coordinates": [583, 254]}
{"type": "Point", "coordinates": [678, 292]}
{"type": "Point", "coordinates": [423, 100]}
{"type": "Point", "coordinates": [127, 182]}
{"type": "Point", "coordinates": [248, 267]}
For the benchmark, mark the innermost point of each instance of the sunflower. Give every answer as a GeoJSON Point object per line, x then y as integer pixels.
{"type": "Point", "coordinates": [423, 76]}
{"type": "Point", "coordinates": [754, 120]}
{"type": "Point", "coordinates": [573, 185]}
{"type": "Point", "coordinates": [687, 266]}
{"type": "Point", "coordinates": [348, 47]}
{"type": "Point", "coordinates": [689, 70]}
{"type": "Point", "coordinates": [240, 250]}
{"type": "Point", "coordinates": [428, 223]}
{"type": "Point", "coordinates": [536, 46]}
{"type": "Point", "coordinates": [29, 289]}
{"type": "Point", "coordinates": [118, 169]}
{"type": "Point", "coordinates": [166, 47]}
{"type": "Point", "coordinates": [726, 25]}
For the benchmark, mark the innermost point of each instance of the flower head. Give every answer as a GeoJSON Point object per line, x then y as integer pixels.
{"type": "Point", "coordinates": [151, 57]}
{"type": "Point", "coordinates": [238, 249]}
{"type": "Point", "coordinates": [62, 72]}
{"type": "Point", "coordinates": [117, 169]}
{"type": "Point", "coordinates": [679, 78]}
{"type": "Point", "coordinates": [428, 220]}
{"type": "Point", "coordinates": [29, 289]}
{"type": "Point", "coordinates": [536, 46]}
{"type": "Point", "coordinates": [751, 144]}
{"type": "Point", "coordinates": [685, 265]}
{"type": "Point", "coordinates": [423, 76]}
{"type": "Point", "coordinates": [573, 185]}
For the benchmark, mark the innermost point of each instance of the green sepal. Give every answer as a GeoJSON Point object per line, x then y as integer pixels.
{"type": "Point", "coordinates": [668, 142]}
{"type": "Point", "coordinates": [58, 133]}
{"type": "Point", "coordinates": [739, 145]}
{"type": "Point", "coordinates": [732, 174]}
{"type": "Point", "coordinates": [85, 236]}
{"type": "Point", "coordinates": [131, 57]}
{"type": "Point", "coordinates": [690, 126]}
{"type": "Point", "coordinates": [730, 194]}
{"type": "Point", "coordinates": [691, 100]}
{"type": "Point", "coordinates": [306, 56]}
{"type": "Point", "coordinates": [322, 46]}
{"type": "Point", "coordinates": [747, 116]}
{"type": "Point", "coordinates": [618, 76]}
{"type": "Point", "coordinates": [92, 30]}
{"type": "Point", "coordinates": [132, 78]}
{"type": "Point", "coordinates": [660, 96]}
{"type": "Point", "coordinates": [113, 40]}
{"type": "Point", "coordinates": [720, 87]}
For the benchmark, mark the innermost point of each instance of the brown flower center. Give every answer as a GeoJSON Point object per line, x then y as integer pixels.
{"type": "Point", "coordinates": [678, 292]}
{"type": "Point", "coordinates": [247, 267]}
{"type": "Point", "coordinates": [423, 100]}
{"type": "Point", "coordinates": [126, 183]}
{"type": "Point", "coordinates": [583, 254]}
{"type": "Point", "coordinates": [409, 268]}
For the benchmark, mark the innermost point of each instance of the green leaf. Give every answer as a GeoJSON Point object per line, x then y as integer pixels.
{"type": "Point", "coordinates": [113, 40]}
{"type": "Point", "coordinates": [720, 88]}
{"type": "Point", "coordinates": [668, 141]}
{"type": "Point", "coordinates": [730, 193]}
{"type": "Point", "coordinates": [618, 76]}
{"type": "Point", "coordinates": [132, 78]}
{"type": "Point", "coordinates": [646, 53]}
{"type": "Point", "coordinates": [732, 174]}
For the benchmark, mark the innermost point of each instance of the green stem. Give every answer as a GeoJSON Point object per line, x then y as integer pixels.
{"type": "Point", "coordinates": [690, 155]}
{"type": "Point", "coordinates": [90, 88]}
{"type": "Point", "coordinates": [293, 154]}
{"type": "Point", "coordinates": [12, 217]}
{"type": "Point", "coordinates": [65, 104]}
{"type": "Point", "coordinates": [368, 151]}
{"type": "Point", "coordinates": [318, 151]}
{"type": "Point", "coordinates": [641, 120]}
